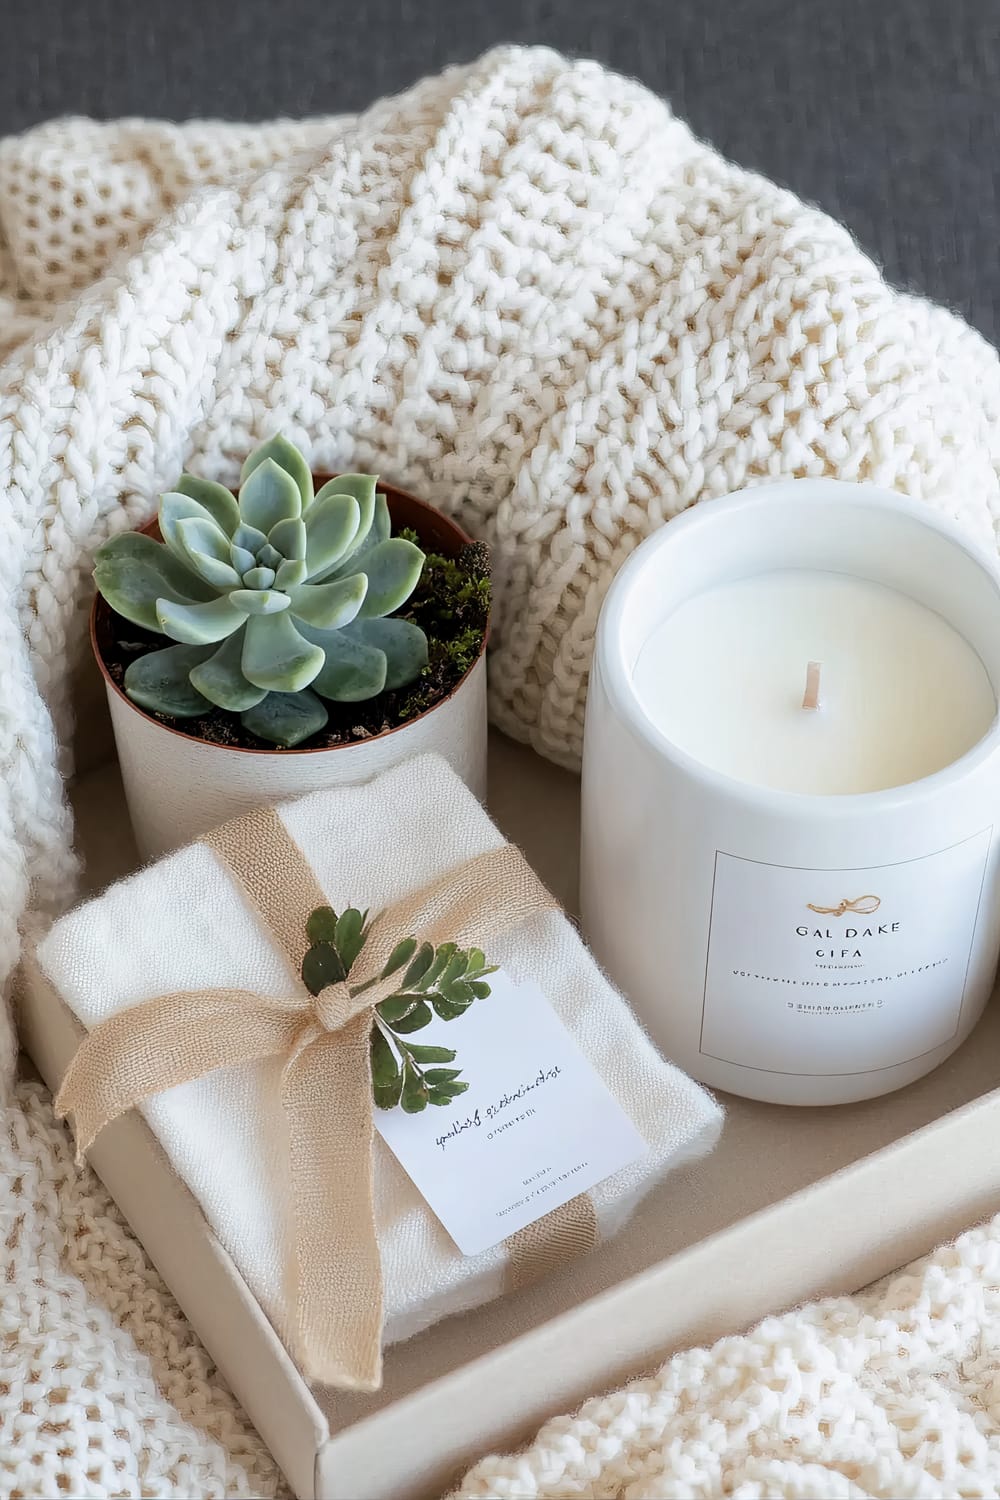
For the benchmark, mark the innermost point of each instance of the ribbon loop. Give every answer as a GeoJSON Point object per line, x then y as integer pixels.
{"type": "Point", "coordinates": [333, 1268]}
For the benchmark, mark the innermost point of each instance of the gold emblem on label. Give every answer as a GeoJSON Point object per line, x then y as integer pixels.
{"type": "Point", "coordinates": [864, 905]}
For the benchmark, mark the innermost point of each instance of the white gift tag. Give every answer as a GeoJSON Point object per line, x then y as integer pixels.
{"type": "Point", "coordinates": [536, 1127]}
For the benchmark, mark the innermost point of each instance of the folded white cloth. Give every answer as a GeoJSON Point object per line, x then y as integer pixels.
{"type": "Point", "coordinates": [185, 924]}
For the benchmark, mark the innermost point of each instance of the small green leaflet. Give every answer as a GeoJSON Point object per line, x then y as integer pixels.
{"type": "Point", "coordinates": [441, 982]}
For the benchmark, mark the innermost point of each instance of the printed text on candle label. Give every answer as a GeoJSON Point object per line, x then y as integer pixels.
{"type": "Point", "coordinates": [536, 1127]}
{"type": "Point", "coordinates": [839, 971]}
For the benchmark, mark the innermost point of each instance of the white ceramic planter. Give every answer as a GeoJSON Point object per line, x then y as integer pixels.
{"type": "Point", "coordinates": [178, 787]}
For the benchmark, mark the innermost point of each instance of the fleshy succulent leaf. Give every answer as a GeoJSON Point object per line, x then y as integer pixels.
{"type": "Point", "coordinates": [287, 457]}
{"type": "Point", "coordinates": [251, 539]}
{"type": "Point", "coordinates": [362, 487]}
{"type": "Point", "coordinates": [198, 624]}
{"type": "Point", "coordinates": [329, 606]}
{"type": "Point", "coordinates": [132, 572]}
{"type": "Point", "coordinates": [381, 527]}
{"type": "Point", "coordinates": [270, 557]}
{"type": "Point", "coordinates": [403, 643]}
{"type": "Point", "coordinates": [288, 538]}
{"type": "Point", "coordinates": [351, 671]}
{"type": "Point", "coordinates": [379, 530]}
{"type": "Point", "coordinates": [161, 682]}
{"type": "Point", "coordinates": [259, 578]}
{"type": "Point", "coordinates": [291, 572]}
{"type": "Point", "coordinates": [259, 601]}
{"type": "Point", "coordinates": [286, 719]}
{"type": "Point", "coordinates": [206, 549]}
{"type": "Point", "coordinates": [332, 526]}
{"type": "Point", "coordinates": [393, 568]}
{"type": "Point", "coordinates": [277, 657]}
{"type": "Point", "coordinates": [216, 499]}
{"type": "Point", "coordinates": [269, 495]}
{"type": "Point", "coordinates": [205, 537]}
{"type": "Point", "coordinates": [174, 508]}
{"type": "Point", "coordinates": [241, 559]}
{"type": "Point", "coordinates": [220, 679]}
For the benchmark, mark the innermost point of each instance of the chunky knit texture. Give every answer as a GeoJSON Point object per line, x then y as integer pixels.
{"type": "Point", "coordinates": [522, 289]}
{"type": "Point", "coordinates": [894, 1394]}
{"type": "Point", "coordinates": [104, 1388]}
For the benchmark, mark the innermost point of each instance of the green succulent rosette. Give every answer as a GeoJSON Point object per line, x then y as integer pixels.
{"type": "Point", "coordinates": [277, 599]}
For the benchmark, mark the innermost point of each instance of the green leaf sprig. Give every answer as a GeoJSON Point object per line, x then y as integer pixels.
{"type": "Point", "coordinates": [441, 981]}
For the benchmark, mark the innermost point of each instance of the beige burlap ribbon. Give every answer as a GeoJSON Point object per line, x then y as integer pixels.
{"type": "Point", "coordinates": [333, 1268]}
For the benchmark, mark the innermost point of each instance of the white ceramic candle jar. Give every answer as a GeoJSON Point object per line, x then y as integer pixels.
{"type": "Point", "coordinates": [791, 779]}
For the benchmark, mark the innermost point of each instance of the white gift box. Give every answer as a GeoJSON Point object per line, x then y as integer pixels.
{"type": "Point", "coordinates": [185, 923]}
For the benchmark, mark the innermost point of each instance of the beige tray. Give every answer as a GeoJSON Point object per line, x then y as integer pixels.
{"type": "Point", "coordinates": [792, 1204]}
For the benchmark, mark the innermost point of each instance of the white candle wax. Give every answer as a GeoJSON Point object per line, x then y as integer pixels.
{"type": "Point", "coordinates": [901, 695]}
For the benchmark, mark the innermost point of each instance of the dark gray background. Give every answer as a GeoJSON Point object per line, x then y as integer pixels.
{"type": "Point", "coordinates": [882, 111]}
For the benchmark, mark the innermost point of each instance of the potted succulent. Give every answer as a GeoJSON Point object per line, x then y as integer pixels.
{"type": "Point", "coordinates": [262, 644]}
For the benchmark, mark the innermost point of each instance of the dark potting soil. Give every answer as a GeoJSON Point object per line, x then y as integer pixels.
{"type": "Point", "coordinates": [451, 603]}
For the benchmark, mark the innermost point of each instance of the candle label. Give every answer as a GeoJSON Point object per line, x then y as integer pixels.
{"type": "Point", "coordinates": [839, 971]}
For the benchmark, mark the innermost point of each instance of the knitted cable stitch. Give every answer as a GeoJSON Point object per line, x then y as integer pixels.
{"type": "Point", "coordinates": [523, 289]}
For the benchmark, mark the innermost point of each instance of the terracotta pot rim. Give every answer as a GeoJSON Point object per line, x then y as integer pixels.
{"type": "Point", "coordinates": [458, 536]}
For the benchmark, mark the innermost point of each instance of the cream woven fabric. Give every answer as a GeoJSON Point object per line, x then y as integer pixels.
{"type": "Point", "coordinates": [522, 288]}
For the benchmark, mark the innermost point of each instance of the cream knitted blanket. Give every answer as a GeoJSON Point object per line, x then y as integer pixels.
{"type": "Point", "coordinates": [522, 289]}
{"type": "Point", "coordinates": [893, 1394]}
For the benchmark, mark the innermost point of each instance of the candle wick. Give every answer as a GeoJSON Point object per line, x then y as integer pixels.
{"type": "Point", "coordinates": [810, 698]}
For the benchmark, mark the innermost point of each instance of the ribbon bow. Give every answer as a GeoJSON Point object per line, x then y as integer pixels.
{"type": "Point", "coordinates": [332, 1257]}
